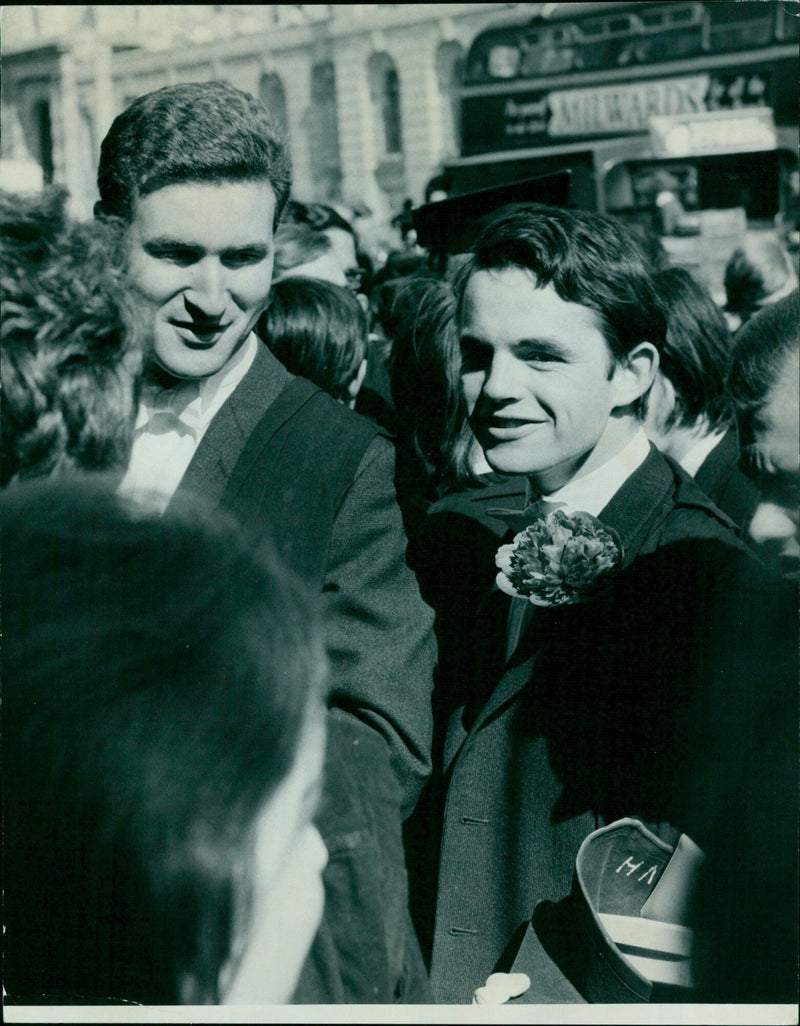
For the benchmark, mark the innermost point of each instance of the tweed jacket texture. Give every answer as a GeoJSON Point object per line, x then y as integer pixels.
{"type": "Point", "coordinates": [335, 520]}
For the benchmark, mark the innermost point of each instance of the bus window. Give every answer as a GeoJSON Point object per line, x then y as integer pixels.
{"type": "Point", "coordinates": [740, 26]}
{"type": "Point", "coordinates": [549, 51]}
{"type": "Point", "coordinates": [503, 61]}
{"type": "Point", "coordinates": [758, 183]}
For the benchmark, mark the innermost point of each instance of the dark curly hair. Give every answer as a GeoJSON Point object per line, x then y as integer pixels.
{"type": "Point", "coordinates": [191, 132]}
{"type": "Point", "coordinates": [72, 343]}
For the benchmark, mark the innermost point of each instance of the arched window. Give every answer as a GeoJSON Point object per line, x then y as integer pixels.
{"type": "Point", "coordinates": [44, 139]}
{"type": "Point", "coordinates": [450, 62]}
{"type": "Point", "coordinates": [323, 131]}
{"type": "Point", "coordinates": [273, 96]}
{"type": "Point", "coordinates": [385, 93]}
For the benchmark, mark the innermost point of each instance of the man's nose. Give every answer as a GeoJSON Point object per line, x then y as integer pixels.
{"type": "Point", "coordinates": [503, 378]}
{"type": "Point", "coordinates": [771, 523]}
{"type": "Point", "coordinates": [208, 294]}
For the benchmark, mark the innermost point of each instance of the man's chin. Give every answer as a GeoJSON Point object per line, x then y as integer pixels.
{"type": "Point", "coordinates": [190, 366]}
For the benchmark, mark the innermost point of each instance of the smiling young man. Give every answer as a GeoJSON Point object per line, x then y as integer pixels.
{"type": "Point", "coordinates": [200, 176]}
{"type": "Point", "coordinates": [576, 711]}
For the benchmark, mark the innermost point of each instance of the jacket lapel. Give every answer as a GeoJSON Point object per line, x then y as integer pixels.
{"type": "Point", "coordinates": [639, 504]}
{"type": "Point", "coordinates": [222, 444]}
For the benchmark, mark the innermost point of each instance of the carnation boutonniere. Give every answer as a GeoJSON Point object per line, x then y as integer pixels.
{"type": "Point", "coordinates": [559, 559]}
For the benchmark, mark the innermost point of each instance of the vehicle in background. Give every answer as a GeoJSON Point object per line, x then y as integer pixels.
{"type": "Point", "coordinates": [679, 116]}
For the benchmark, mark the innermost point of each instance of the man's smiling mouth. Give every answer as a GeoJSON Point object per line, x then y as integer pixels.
{"type": "Point", "coordinates": [203, 332]}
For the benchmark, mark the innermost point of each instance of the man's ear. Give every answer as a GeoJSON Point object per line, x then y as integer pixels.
{"type": "Point", "coordinates": [634, 376]}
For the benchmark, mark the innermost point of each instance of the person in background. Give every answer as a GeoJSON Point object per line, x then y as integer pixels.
{"type": "Point", "coordinates": [387, 319]}
{"type": "Point", "coordinates": [304, 252]}
{"type": "Point", "coordinates": [762, 385]}
{"type": "Point", "coordinates": [339, 232]}
{"type": "Point", "coordinates": [688, 411]}
{"type": "Point", "coordinates": [319, 331]}
{"type": "Point", "coordinates": [744, 775]}
{"type": "Point", "coordinates": [164, 729]}
{"type": "Point", "coordinates": [758, 272]}
{"type": "Point", "coordinates": [199, 175]}
{"type": "Point", "coordinates": [71, 342]}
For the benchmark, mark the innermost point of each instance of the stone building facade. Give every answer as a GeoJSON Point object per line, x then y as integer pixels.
{"type": "Point", "coordinates": [365, 91]}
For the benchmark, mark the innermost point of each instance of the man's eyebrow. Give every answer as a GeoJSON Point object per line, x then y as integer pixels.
{"type": "Point", "coordinates": [247, 247]}
{"type": "Point", "coordinates": [546, 346]}
{"type": "Point", "coordinates": [168, 242]}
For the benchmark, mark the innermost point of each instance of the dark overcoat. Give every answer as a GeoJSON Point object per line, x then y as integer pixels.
{"type": "Point", "coordinates": [587, 724]}
{"type": "Point", "coordinates": [317, 480]}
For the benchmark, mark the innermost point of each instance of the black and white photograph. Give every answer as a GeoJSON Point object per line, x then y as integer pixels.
{"type": "Point", "coordinates": [400, 512]}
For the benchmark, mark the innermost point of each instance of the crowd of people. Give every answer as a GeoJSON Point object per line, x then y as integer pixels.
{"type": "Point", "coordinates": [402, 633]}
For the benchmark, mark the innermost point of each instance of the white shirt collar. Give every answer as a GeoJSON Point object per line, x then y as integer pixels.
{"type": "Point", "coordinates": [692, 460]}
{"type": "Point", "coordinates": [593, 492]}
{"type": "Point", "coordinates": [163, 448]}
{"type": "Point", "coordinates": [199, 400]}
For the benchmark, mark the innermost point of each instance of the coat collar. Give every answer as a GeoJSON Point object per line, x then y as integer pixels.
{"type": "Point", "coordinates": [220, 448]}
{"type": "Point", "coordinates": [635, 512]}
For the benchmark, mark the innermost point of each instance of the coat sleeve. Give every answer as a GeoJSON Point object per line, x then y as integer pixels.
{"type": "Point", "coordinates": [380, 632]}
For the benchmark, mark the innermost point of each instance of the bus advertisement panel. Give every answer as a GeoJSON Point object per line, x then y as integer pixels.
{"type": "Point", "coordinates": [694, 98]}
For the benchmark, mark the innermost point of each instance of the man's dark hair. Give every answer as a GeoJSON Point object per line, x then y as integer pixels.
{"type": "Point", "coordinates": [589, 259]}
{"type": "Point", "coordinates": [696, 351]}
{"type": "Point", "coordinates": [192, 132]}
{"type": "Point", "coordinates": [317, 330]}
{"type": "Point", "coordinates": [317, 215]}
{"type": "Point", "coordinates": [424, 373]}
{"type": "Point", "coordinates": [157, 676]}
{"type": "Point", "coordinates": [756, 270]}
{"type": "Point", "coordinates": [71, 342]}
{"type": "Point", "coordinates": [761, 351]}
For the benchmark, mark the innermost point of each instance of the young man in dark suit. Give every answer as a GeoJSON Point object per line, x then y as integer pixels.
{"type": "Point", "coordinates": [576, 716]}
{"type": "Point", "coordinates": [200, 175]}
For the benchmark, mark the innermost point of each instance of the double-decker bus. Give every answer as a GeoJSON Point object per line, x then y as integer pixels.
{"type": "Point", "coordinates": [695, 100]}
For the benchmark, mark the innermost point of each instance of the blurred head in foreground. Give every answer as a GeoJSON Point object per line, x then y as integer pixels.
{"type": "Point", "coordinates": [762, 382]}
{"type": "Point", "coordinates": [164, 730]}
{"type": "Point", "coordinates": [71, 344]}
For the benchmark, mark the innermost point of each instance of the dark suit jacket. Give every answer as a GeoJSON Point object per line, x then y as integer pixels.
{"type": "Point", "coordinates": [586, 725]}
{"type": "Point", "coordinates": [727, 487]}
{"type": "Point", "coordinates": [379, 631]}
{"type": "Point", "coordinates": [380, 640]}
